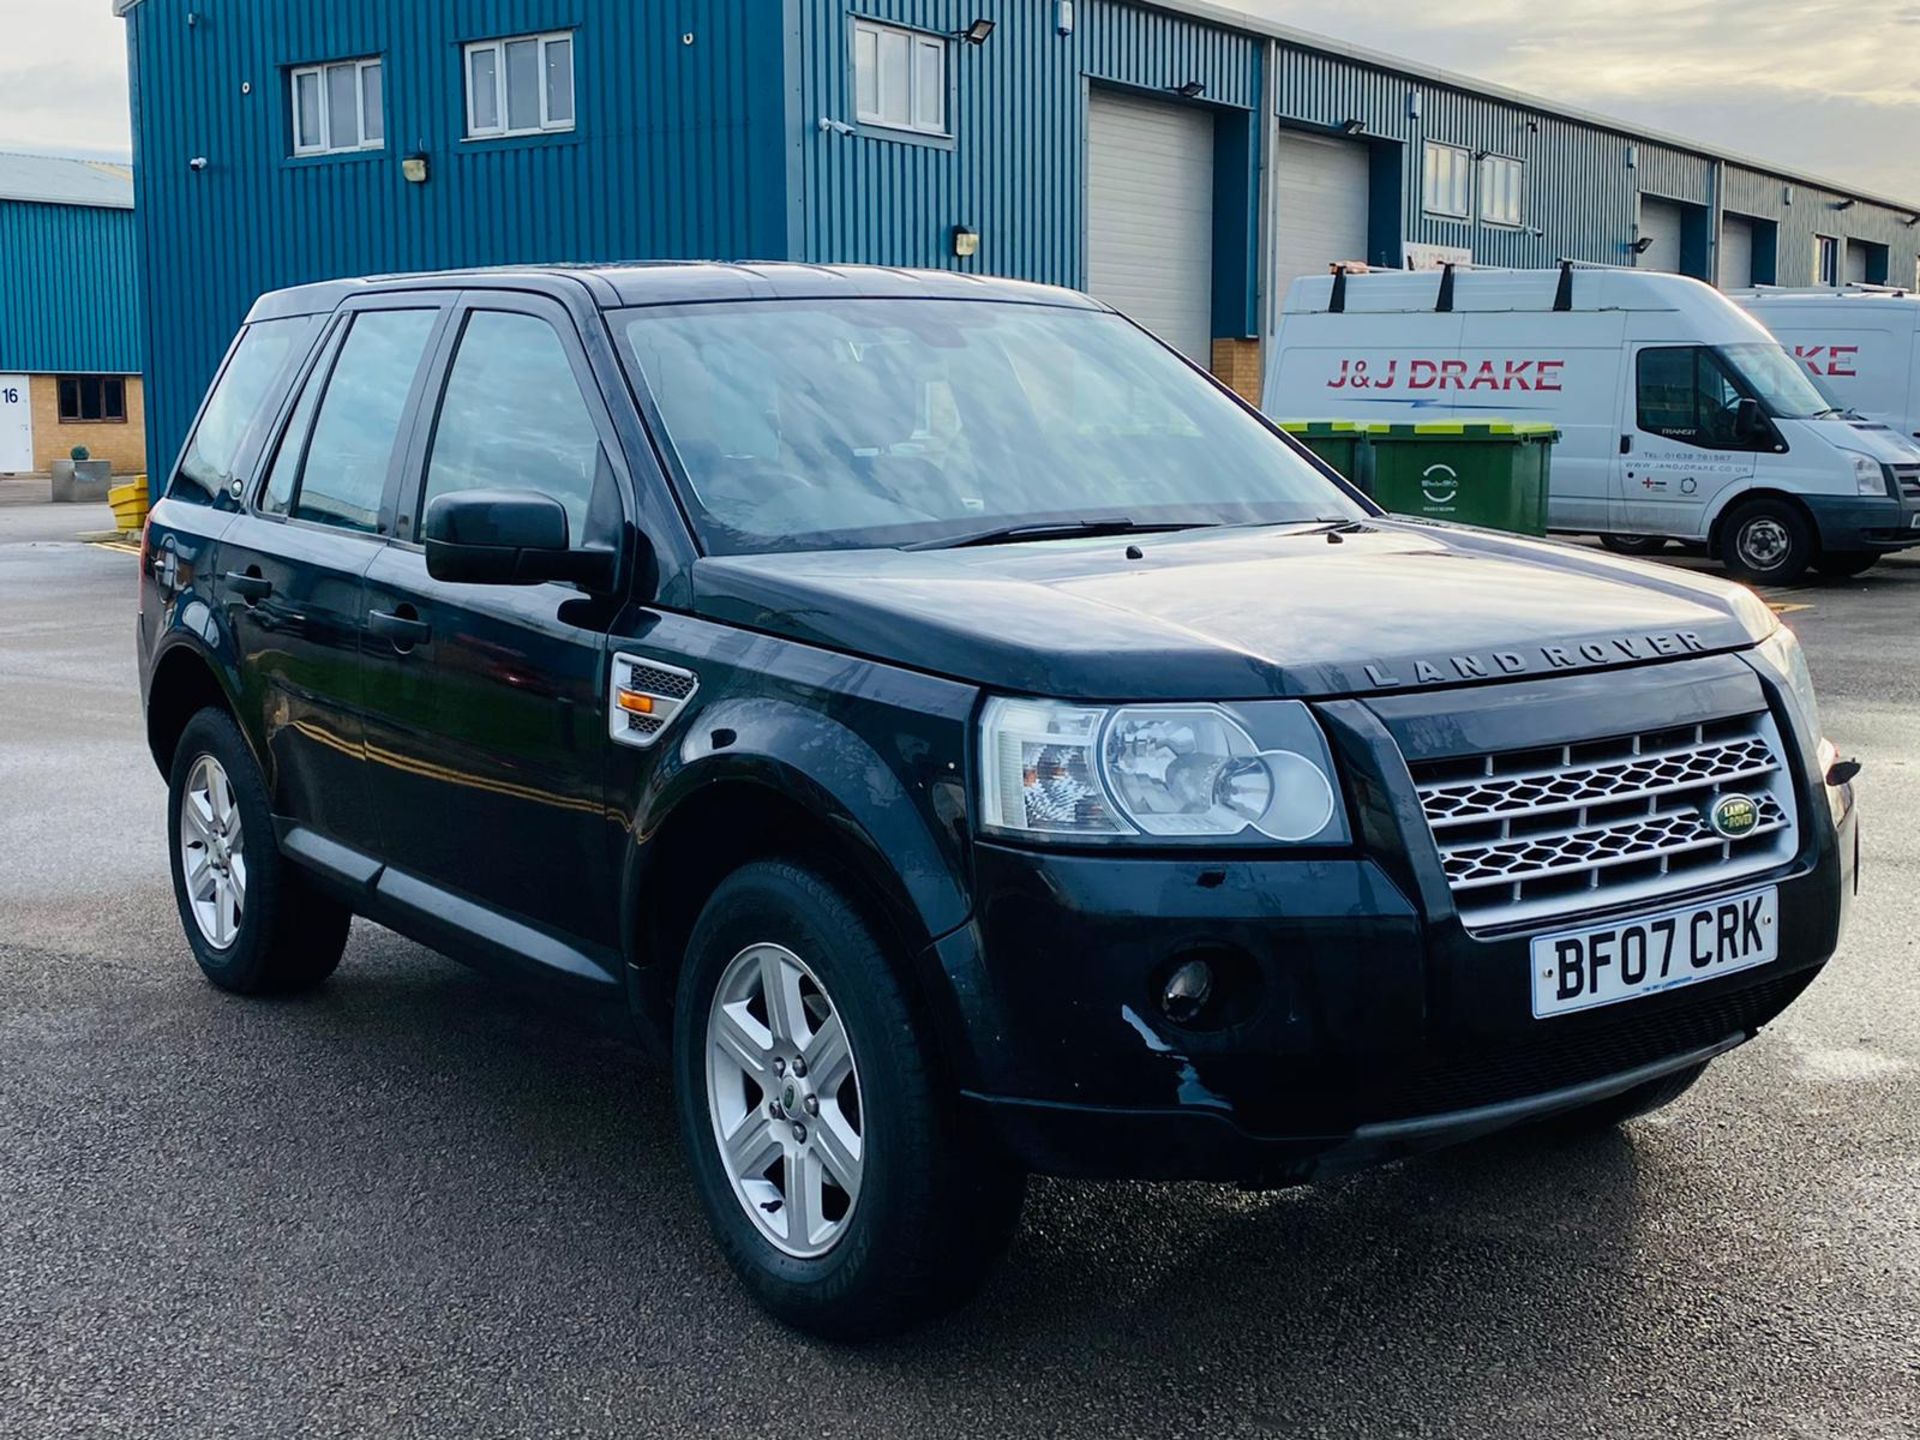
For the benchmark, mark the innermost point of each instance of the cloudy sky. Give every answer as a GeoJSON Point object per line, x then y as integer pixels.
{"type": "Point", "coordinates": [1826, 86]}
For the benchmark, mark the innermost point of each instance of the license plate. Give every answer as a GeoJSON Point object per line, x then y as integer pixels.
{"type": "Point", "coordinates": [1580, 969]}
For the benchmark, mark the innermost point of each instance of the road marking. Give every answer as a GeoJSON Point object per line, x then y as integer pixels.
{"type": "Point", "coordinates": [125, 547]}
{"type": "Point", "coordinates": [1787, 607]}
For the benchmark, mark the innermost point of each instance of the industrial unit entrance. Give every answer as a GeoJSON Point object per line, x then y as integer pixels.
{"type": "Point", "coordinates": [1150, 215]}
{"type": "Point", "coordinates": [1320, 214]}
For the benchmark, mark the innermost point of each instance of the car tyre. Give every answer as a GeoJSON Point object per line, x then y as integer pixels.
{"type": "Point", "coordinates": [255, 923]}
{"type": "Point", "coordinates": [1845, 564]}
{"type": "Point", "coordinates": [933, 1202]}
{"type": "Point", "coordinates": [1766, 542]}
{"type": "Point", "coordinates": [1628, 1105]}
{"type": "Point", "coordinates": [1634, 544]}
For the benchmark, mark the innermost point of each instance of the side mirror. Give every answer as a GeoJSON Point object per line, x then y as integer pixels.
{"type": "Point", "coordinates": [506, 537]}
{"type": "Point", "coordinates": [1748, 421]}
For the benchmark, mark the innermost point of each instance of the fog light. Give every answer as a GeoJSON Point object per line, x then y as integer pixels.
{"type": "Point", "coordinates": [1188, 990]}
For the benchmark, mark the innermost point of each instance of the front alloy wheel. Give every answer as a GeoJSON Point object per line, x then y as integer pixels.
{"type": "Point", "coordinates": [784, 1097]}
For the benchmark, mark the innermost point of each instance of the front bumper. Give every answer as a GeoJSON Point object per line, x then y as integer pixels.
{"type": "Point", "coordinates": [1849, 524]}
{"type": "Point", "coordinates": [1375, 1024]}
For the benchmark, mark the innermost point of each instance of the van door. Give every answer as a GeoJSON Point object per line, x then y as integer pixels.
{"type": "Point", "coordinates": [1682, 447]}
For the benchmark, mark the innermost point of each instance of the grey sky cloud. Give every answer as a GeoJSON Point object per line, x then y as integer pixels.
{"type": "Point", "coordinates": [1825, 86]}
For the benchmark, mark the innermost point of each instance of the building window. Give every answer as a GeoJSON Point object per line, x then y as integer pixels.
{"type": "Point", "coordinates": [1502, 190]}
{"type": "Point", "coordinates": [1826, 260]}
{"type": "Point", "coordinates": [899, 78]}
{"type": "Point", "coordinates": [1449, 181]}
{"type": "Point", "coordinates": [339, 107]}
{"type": "Point", "coordinates": [93, 400]}
{"type": "Point", "coordinates": [520, 86]}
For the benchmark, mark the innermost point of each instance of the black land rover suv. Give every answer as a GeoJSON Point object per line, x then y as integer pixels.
{"type": "Point", "coordinates": [962, 738]}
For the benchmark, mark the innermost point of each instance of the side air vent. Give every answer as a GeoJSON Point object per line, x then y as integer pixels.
{"type": "Point", "coordinates": [645, 698]}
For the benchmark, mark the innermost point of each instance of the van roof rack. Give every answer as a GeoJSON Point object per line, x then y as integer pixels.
{"type": "Point", "coordinates": [1852, 287]}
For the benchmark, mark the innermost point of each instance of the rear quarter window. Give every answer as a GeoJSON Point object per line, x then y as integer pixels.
{"type": "Point", "coordinates": [249, 389]}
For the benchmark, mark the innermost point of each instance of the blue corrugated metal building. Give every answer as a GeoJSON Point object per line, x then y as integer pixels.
{"type": "Point", "coordinates": [69, 313]}
{"type": "Point", "coordinates": [1179, 159]}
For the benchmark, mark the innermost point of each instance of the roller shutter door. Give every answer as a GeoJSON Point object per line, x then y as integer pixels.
{"type": "Point", "coordinates": [1150, 216]}
{"type": "Point", "coordinates": [1320, 190]}
{"type": "Point", "coordinates": [1660, 222]}
{"type": "Point", "coordinates": [1736, 253]}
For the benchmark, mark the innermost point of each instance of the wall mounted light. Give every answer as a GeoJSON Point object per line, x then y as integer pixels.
{"type": "Point", "coordinates": [1913, 220]}
{"type": "Point", "coordinates": [1063, 17]}
{"type": "Point", "coordinates": [197, 164]}
{"type": "Point", "coordinates": [1786, 194]}
{"type": "Point", "coordinates": [977, 33]}
{"type": "Point", "coordinates": [1191, 90]}
{"type": "Point", "coordinates": [966, 242]}
{"type": "Point", "coordinates": [1351, 127]}
{"type": "Point", "coordinates": [1642, 245]}
{"type": "Point", "coordinates": [1413, 104]}
{"type": "Point", "coordinates": [1533, 127]}
{"type": "Point", "coordinates": [415, 169]}
{"type": "Point", "coordinates": [1633, 157]}
{"type": "Point", "coordinates": [1844, 204]}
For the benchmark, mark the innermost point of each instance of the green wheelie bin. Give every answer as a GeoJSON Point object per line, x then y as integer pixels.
{"type": "Point", "coordinates": [1491, 473]}
{"type": "Point", "coordinates": [1342, 444]}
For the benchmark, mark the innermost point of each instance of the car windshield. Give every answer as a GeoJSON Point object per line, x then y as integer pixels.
{"type": "Point", "coordinates": [847, 424]}
{"type": "Point", "coordinates": [1779, 382]}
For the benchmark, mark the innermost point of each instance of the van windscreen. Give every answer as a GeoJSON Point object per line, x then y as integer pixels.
{"type": "Point", "coordinates": [1778, 382]}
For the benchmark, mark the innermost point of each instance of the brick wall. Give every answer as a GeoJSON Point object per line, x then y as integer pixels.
{"type": "Point", "coordinates": [124, 444]}
{"type": "Point", "coordinates": [1238, 363]}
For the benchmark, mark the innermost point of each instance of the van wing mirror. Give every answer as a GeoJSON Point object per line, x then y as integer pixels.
{"type": "Point", "coordinates": [507, 537]}
{"type": "Point", "coordinates": [1749, 421]}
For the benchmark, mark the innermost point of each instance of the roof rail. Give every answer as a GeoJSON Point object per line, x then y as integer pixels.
{"type": "Point", "coordinates": [1852, 287]}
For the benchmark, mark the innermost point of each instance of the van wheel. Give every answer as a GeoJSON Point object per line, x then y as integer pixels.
{"type": "Point", "coordinates": [846, 1185]}
{"type": "Point", "coordinates": [1634, 544]}
{"type": "Point", "coordinates": [1845, 564]}
{"type": "Point", "coordinates": [255, 924]}
{"type": "Point", "coordinates": [1766, 542]}
{"type": "Point", "coordinates": [1627, 1105]}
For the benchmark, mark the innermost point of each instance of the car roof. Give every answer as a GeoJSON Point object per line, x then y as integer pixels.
{"type": "Point", "coordinates": [682, 283]}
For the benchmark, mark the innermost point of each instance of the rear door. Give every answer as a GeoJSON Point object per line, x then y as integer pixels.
{"type": "Point", "coordinates": [1682, 449]}
{"type": "Point", "coordinates": [487, 704]}
{"type": "Point", "coordinates": [291, 565]}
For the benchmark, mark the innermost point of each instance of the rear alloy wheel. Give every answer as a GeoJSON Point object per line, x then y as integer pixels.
{"type": "Point", "coordinates": [847, 1185]}
{"type": "Point", "coordinates": [1845, 564]}
{"type": "Point", "coordinates": [1634, 544]}
{"type": "Point", "coordinates": [255, 923]}
{"type": "Point", "coordinates": [1766, 542]}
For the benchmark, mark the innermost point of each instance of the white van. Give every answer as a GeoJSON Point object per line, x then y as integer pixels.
{"type": "Point", "coordinates": [1862, 343]}
{"type": "Point", "coordinates": [1680, 416]}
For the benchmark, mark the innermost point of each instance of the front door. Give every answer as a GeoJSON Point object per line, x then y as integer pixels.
{"type": "Point", "coordinates": [1685, 448]}
{"type": "Point", "coordinates": [16, 426]}
{"type": "Point", "coordinates": [487, 704]}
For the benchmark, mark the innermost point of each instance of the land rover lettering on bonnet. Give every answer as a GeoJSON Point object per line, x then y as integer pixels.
{"type": "Point", "coordinates": [957, 738]}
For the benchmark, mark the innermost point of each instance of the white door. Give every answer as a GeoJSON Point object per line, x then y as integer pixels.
{"type": "Point", "coordinates": [1319, 205]}
{"type": "Point", "coordinates": [1660, 223]}
{"type": "Point", "coordinates": [1150, 216]}
{"type": "Point", "coordinates": [1736, 253]}
{"type": "Point", "coordinates": [16, 426]}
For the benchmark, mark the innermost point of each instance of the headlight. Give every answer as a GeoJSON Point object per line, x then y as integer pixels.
{"type": "Point", "coordinates": [1165, 774]}
{"type": "Point", "coordinates": [1869, 476]}
{"type": "Point", "coordinates": [1781, 650]}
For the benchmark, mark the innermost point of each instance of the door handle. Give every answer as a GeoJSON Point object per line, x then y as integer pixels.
{"type": "Point", "coordinates": [248, 586]}
{"type": "Point", "coordinates": [404, 628]}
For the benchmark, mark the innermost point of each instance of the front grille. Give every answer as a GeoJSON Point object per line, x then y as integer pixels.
{"type": "Point", "coordinates": [1576, 1049]}
{"type": "Point", "coordinates": [1526, 834]}
{"type": "Point", "coordinates": [1907, 477]}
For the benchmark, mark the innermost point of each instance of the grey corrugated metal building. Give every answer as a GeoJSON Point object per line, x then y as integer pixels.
{"type": "Point", "coordinates": [69, 337]}
{"type": "Point", "coordinates": [1180, 159]}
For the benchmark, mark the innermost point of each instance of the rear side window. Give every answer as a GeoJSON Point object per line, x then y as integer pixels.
{"type": "Point", "coordinates": [348, 457]}
{"type": "Point", "coordinates": [246, 392]}
{"type": "Point", "coordinates": [514, 418]}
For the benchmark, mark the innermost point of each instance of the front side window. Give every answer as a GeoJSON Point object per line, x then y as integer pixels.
{"type": "Point", "coordinates": [345, 474]}
{"type": "Point", "coordinates": [520, 86]}
{"type": "Point", "coordinates": [803, 424]}
{"type": "Point", "coordinates": [1691, 394]}
{"type": "Point", "coordinates": [254, 379]}
{"type": "Point", "coordinates": [513, 418]}
{"type": "Point", "coordinates": [899, 78]}
{"type": "Point", "coordinates": [93, 400]}
{"type": "Point", "coordinates": [1502, 183]}
{"type": "Point", "coordinates": [1449, 181]}
{"type": "Point", "coordinates": [339, 107]}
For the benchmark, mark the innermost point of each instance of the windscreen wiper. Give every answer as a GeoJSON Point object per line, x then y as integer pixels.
{"type": "Point", "coordinates": [1056, 530]}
